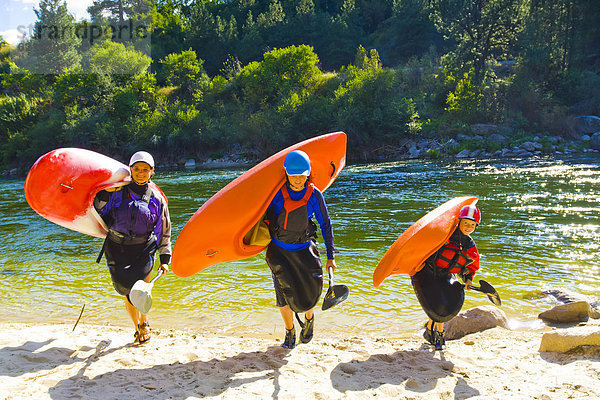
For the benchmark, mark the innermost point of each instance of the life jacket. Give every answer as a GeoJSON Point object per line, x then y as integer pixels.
{"type": "Point", "coordinates": [292, 225]}
{"type": "Point", "coordinates": [133, 218]}
{"type": "Point", "coordinates": [452, 258]}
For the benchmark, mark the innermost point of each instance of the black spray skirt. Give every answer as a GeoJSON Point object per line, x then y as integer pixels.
{"type": "Point", "coordinates": [298, 274]}
{"type": "Point", "coordinates": [439, 294]}
{"type": "Point", "coordinates": [129, 263]}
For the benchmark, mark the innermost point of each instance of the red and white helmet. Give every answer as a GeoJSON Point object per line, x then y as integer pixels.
{"type": "Point", "coordinates": [470, 212]}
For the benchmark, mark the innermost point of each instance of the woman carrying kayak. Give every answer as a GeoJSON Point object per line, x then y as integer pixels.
{"type": "Point", "coordinates": [139, 224]}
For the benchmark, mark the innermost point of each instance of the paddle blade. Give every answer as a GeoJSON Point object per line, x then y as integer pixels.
{"type": "Point", "coordinates": [492, 294]}
{"type": "Point", "coordinates": [140, 296]}
{"type": "Point", "coordinates": [335, 295]}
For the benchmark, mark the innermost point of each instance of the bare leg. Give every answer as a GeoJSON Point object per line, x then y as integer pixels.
{"type": "Point", "coordinates": [133, 312]}
{"type": "Point", "coordinates": [288, 316]}
{"type": "Point", "coordinates": [137, 317]}
{"type": "Point", "coordinates": [309, 314]}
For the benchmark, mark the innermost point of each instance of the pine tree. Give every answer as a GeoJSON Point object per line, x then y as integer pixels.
{"type": "Point", "coordinates": [53, 46]}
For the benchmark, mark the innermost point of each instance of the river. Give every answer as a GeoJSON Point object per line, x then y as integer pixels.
{"type": "Point", "coordinates": [540, 228]}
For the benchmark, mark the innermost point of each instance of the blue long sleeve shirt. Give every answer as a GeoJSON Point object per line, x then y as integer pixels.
{"type": "Point", "coordinates": [316, 207]}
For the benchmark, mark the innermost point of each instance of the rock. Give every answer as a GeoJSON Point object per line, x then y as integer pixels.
{"type": "Point", "coordinates": [414, 152]}
{"type": "Point", "coordinates": [564, 296]}
{"type": "Point", "coordinates": [497, 138]}
{"type": "Point", "coordinates": [531, 146]}
{"type": "Point", "coordinates": [595, 141]}
{"type": "Point", "coordinates": [461, 136]}
{"type": "Point", "coordinates": [484, 128]}
{"type": "Point", "coordinates": [564, 340]}
{"type": "Point", "coordinates": [577, 311]}
{"type": "Point", "coordinates": [586, 124]}
{"type": "Point", "coordinates": [523, 153]}
{"type": "Point", "coordinates": [475, 320]}
{"type": "Point", "coordinates": [463, 154]}
{"type": "Point", "coordinates": [586, 138]}
{"type": "Point", "coordinates": [451, 144]}
{"type": "Point", "coordinates": [191, 163]}
{"type": "Point", "coordinates": [507, 153]}
{"type": "Point", "coordinates": [475, 154]}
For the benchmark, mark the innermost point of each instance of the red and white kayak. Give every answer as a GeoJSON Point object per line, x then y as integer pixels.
{"type": "Point", "coordinates": [61, 186]}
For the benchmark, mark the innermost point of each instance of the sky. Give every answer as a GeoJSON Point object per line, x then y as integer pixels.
{"type": "Point", "coordinates": [17, 16]}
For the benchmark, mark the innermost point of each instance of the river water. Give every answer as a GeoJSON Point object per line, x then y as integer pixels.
{"type": "Point", "coordinates": [540, 229]}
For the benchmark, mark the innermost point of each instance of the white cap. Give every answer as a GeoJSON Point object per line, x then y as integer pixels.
{"type": "Point", "coordinates": [142, 156]}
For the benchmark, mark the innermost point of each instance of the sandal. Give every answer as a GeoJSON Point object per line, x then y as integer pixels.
{"type": "Point", "coordinates": [145, 327]}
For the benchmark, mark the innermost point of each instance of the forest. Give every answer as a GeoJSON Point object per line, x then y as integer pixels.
{"type": "Point", "coordinates": [201, 79]}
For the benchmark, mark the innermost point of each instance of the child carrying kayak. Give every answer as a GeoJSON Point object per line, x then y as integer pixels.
{"type": "Point", "coordinates": [292, 254]}
{"type": "Point", "coordinates": [438, 292]}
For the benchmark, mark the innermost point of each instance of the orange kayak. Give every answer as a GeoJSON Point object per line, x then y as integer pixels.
{"type": "Point", "coordinates": [219, 231]}
{"type": "Point", "coordinates": [61, 186]}
{"type": "Point", "coordinates": [420, 240]}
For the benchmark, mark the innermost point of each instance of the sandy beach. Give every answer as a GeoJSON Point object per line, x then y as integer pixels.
{"type": "Point", "coordinates": [100, 362]}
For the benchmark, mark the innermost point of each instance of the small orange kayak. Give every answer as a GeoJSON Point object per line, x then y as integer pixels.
{"type": "Point", "coordinates": [61, 186]}
{"type": "Point", "coordinates": [420, 240]}
{"type": "Point", "coordinates": [219, 231]}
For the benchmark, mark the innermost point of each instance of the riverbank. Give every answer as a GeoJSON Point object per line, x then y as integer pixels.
{"type": "Point", "coordinates": [99, 362]}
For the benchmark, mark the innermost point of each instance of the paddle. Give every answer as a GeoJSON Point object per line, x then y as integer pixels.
{"type": "Point", "coordinates": [140, 295]}
{"type": "Point", "coordinates": [488, 289]}
{"type": "Point", "coordinates": [335, 294]}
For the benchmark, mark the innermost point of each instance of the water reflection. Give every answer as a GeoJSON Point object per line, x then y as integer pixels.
{"type": "Point", "coordinates": [540, 229]}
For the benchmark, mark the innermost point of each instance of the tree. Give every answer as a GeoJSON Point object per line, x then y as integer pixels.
{"type": "Point", "coordinates": [281, 73]}
{"type": "Point", "coordinates": [120, 10]}
{"type": "Point", "coordinates": [559, 36]}
{"type": "Point", "coordinates": [53, 46]}
{"type": "Point", "coordinates": [186, 71]}
{"type": "Point", "coordinates": [114, 58]}
{"type": "Point", "coordinates": [482, 29]}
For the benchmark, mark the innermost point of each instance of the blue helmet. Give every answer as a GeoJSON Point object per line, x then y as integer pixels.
{"type": "Point", "coordinates": [297, 163]}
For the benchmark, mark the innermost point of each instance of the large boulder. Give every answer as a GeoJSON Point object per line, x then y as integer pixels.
{"type": "Point", "coordinates": [577, 311]}
{"type": "Point", "coordinates": [475, 320]}
{"type": "Point", "coordinates": [565, 296]}
{"type": "Point", "coordinates": [586, 124]}
{"type": "Point", "coordinates": [564, 340]}
{"type": "Point", "coordinates": [463, 154]}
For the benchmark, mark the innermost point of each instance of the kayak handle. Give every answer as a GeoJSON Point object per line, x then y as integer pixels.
{"type": "Point", "coordinates": [334, 169]}
{"type": "Point", "coordinates": [211, 254]}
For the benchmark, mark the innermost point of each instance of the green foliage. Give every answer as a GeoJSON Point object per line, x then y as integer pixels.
{"type": "Point", "coordinates": [53, 46]}
{"type": "Point", "coordinates": [482, 30]}
{"type": "Point", "coordinates": [281, 73]}
{"type": "Point", "coordinates": [114, 58]}
{"type": "Point", "coordinates": [185, 70]}
{"type": "Point", "coordinates": [465, 101]}
{"type": "Point", "coordinates": [259, 83]}
{"type": "Point", "coordinates": [22, 81]}
{"type": "Point", "coordinates": [369, 105]}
